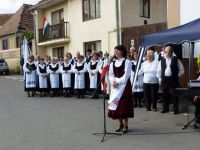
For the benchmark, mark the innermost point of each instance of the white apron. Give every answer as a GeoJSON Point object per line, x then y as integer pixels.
{"type": "Point", "coordinates": [66, 76]}
{"type": "Point", "coordinates": [43, 82]}
{"type": "Point", "coordinates": [66, 80]}
{"type": "Point", "coordinates": [42, 77]}
{"type": "Point", "coordinates": [94, 77]}
{"type": "Point", "coordinates": [80, 78]}
{"type": "Point", "coordinates": [30, 77]}
{"type": "Point", "coordinates": [115, 96]}
{"type": "Point", "coordinates": [54, 78]}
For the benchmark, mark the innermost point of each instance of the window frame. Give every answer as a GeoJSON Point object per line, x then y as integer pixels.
{"type": "Point", "coordinates": [143, 9]}
{"type": "Point", "coordinates": [57, 51]}
{"type": "Point", "coordinates": [90, 16]}
{"type": "Point", "coordinates": [7, 44]}
{"type": "Point", "coordinates": [58, 11]}
{"type": "Point", "coordinates": [17, 42]}
{"type": "Point", "coordinates": [85, 44]}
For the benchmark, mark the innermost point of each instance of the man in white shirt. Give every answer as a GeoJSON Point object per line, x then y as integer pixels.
{"type": "Point", "coordinates": [169, 70]}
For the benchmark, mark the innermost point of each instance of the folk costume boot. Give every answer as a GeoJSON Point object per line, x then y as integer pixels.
{"type": "Point", "coordinates": [125, 129]}
{"type": "Point", "coordinates": [120, 128]}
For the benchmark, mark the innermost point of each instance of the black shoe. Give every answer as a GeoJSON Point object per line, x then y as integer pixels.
{"type": "Point", "coordinates": [194, 126]}
{"type": "Point", "coordinates": [33, 94]}
{"type": "Point", "coordinates": [155, 109]}
{"type": "Point", "coordinates": [53, 94]}
{"type": "Point", "coordinates": [125, 129]}
{"type": "Point", "coordinates": [120, 128]}
{"type": "Point", "coordinates": [164, 111]}
{"type": "Point", "coordinates": [28, 94]}
{"type": "Point", "coordinates": [135, 105]}
{"type": "Point", "coordinates": [82, 96]}
{"type": "Point", "coordinates": [176, 112]}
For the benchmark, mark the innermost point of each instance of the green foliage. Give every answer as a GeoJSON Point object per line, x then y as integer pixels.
{"type": "Point", "coordinates": [29, 35]}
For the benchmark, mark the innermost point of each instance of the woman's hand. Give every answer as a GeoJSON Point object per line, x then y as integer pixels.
{"type": "Point", "coordinates": [196, 98]}
{"type": "Point", "coordinates": [115, 85]}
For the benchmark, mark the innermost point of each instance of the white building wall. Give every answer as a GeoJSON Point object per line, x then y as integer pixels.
{"type": "Point", "coordinates": [103, 28]}
{"type": "Point", "coordinates": [92, 30]}
{"type": "Point", "coordinates": [189, 11]}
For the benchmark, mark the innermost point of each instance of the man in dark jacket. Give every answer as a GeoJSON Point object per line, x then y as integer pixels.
{"type": "Point", "coordinates": [169, 70]}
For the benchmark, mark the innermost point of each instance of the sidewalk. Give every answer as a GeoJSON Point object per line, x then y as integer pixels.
{"type": "Point", "coordinates": [13, 77]}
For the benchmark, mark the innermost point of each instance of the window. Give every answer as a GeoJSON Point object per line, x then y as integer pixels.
{"type": "Point", "coordinates": [94, 46]}
{"type": "Point", "coordinates": [58, 51]}
{"type": "Point", "coordinates": [17, 42]}
{"type": "Point", "coordinates": [5, 44]}
{"type": "Point", "coordinates": [145, 8]}
{"type": "Point", "coordinates": [57, 17]}
{"type": "Point", "coordinates": [91, 9]}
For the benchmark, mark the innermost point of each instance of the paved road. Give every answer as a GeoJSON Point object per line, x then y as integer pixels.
{"type": "Point", "coordinates": [68, 124]}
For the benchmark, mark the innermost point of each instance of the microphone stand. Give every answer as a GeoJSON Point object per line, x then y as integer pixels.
{"type": "Point", "coordinates": [104, 133]}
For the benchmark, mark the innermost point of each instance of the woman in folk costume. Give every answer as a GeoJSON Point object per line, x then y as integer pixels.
{"type": "Point", "coordinates": [43, 76]}
{"type": "Point", "coordinates": [121, 100]}
{"type": "Point", "coordinates": [93, 70]}
{"type": "Point", "coordinates": [71, 61]}
{"type": "Point", "coordinates": [53, 70]}
{"type": "Point", "coordinates": [66, 70]}
{"type": "Point", "coordinates": [30, 76]}
{"type": "Point", "coordinates": [37, 62]}
{"type": "Point", "coordinates": [137, 89]}
{"type": "Point", "coordinates": [80, 69]}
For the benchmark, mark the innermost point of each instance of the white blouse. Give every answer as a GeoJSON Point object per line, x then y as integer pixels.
{"type": "Point", "coordinates": [80, 64]}
{"type": "Point", "coordinates": [149, 69]}
{"type": "Point", "coordinates": [127, 73]}
{"type": "Point", "coordinates": [168, 71]}
{"type": "Point", "coordinates": [93, 63]}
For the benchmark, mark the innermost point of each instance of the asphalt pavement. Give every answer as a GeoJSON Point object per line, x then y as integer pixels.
{"type": "Point", "coordinates": [68, 124]}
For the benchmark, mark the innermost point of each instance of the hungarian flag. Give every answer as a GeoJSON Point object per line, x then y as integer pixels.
{"type": "Point", "coordinates": [103, 74]}
{"type": "Point", "coordinates": [46, 26]}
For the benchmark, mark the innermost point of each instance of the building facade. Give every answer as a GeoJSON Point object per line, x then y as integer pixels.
{"type": "Point", "coordinates": [76, 25]}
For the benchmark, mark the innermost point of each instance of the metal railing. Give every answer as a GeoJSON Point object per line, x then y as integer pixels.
{"type": "Point", "coordinates": [58, 31]}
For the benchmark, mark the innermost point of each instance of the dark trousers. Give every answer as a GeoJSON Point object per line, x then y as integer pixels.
{"type": "Point", "coordinates": [137, 96]}
{"type": "Point", "coordinates": [80, 93]}
{"type": "Point", "coordinates": [168, 84]}
{"type": "Point", "coordinates": [150, 95]}
{"type": "Point", "coordinates": [197, 111]}
{"type": "Point", "coordinates": [67, 91]}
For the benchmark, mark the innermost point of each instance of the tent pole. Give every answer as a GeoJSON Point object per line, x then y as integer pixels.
{"type": "Point", "coordinates": [191, 60]}
{"type": "Point", "coordinates": [139, 61]}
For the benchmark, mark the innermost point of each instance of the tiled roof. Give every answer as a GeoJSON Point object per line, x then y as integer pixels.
{"type": "Point", "coordinates": [22, 19]}
{"type": "Point", "coordinates": [4, 18]}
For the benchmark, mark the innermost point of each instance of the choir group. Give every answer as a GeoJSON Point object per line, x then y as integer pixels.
{"type": "Point", "coordinates": [68, 75]}
{"type": "Point", "coordinates": [62, 76]}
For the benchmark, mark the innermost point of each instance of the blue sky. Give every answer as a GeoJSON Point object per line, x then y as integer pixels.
{"type": "Point", "coordinates": [11, 6]}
